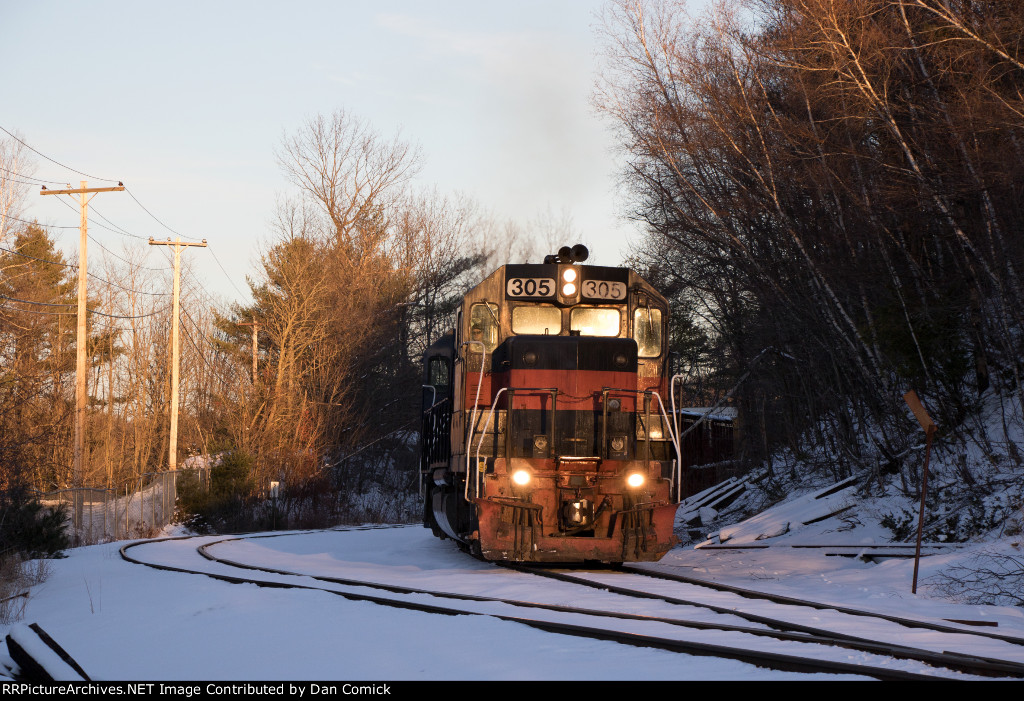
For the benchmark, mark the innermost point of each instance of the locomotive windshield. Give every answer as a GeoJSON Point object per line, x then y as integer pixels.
{"type": "Point", "coordinates": [541, 320]}
{"type": "Point", "coordinates": [595, 321]}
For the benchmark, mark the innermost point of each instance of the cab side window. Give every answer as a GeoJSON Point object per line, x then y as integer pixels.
{"type": "Point", "coordinates": [438, 373]}
{"type": "Point", "coordinates": [647, 331]}
{"type": "Point", "coordinates": [483, 326]}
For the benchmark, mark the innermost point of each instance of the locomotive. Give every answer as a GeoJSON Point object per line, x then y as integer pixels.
{"type": "Point", "coordinates": [544, 436]}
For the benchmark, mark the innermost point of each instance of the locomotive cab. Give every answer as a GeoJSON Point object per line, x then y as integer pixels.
{"type": "Point", "coordinates": [551, 442]}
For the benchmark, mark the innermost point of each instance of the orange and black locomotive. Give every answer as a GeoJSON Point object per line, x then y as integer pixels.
{"type": "Point", "coordinates": [545, 437]}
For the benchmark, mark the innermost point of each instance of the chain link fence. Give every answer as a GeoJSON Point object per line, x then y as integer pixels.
{"type": "Point", "coordinates": [137, 510]}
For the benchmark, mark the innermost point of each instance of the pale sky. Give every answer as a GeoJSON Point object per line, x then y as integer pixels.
{"type": "Point", "coordinates": [186, 102]}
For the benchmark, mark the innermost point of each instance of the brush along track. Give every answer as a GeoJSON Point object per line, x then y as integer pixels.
{"type": "Point", "coordinates": [599, 630]}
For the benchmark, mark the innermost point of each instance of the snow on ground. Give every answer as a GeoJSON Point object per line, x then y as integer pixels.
{"type": "Point", "coordinates": [878, 584]}
{"type": "Point", "coordinates": [123, 621]}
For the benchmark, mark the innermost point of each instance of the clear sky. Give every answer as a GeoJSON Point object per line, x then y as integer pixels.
{"type": "Point", "coordinates": [186, 102]}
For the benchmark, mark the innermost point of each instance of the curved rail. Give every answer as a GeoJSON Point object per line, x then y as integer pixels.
{"type": "Point", "coordinates": [780, 599]}
{"type": "Point", "coordinates": [786, 662]}
{"type": "Point", "coordinates": [820, 634]}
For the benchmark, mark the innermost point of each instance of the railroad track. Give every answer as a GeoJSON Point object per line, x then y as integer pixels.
{"type": "Point", "coordinates": [848, 610]}
{"type": "Point", "coordinates": [797, 648]}
{"type": "Point", "coordinates": [833, 630]}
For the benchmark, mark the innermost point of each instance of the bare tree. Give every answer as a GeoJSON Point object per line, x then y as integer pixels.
{"type": "Point", "coordinates": [826, 179]}
{"type": "Point", "coordinates": [349, 169]}
{"type": "Point", "coordinates": [16, 167]}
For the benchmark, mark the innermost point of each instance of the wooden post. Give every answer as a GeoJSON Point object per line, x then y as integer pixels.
{"type": "Point", "coordinates": [82, 338]}
{"type": "Point", "coordinates": [172, 459]}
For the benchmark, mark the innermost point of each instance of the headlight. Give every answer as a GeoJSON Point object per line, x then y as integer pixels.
{"type": "Point", "coordinates": [635, 480]}
{"type": "Point", "coordinates": [521, 477]}
{"type": "Point", "coordinates": [569, 289]}
{"type": "Point", "coordinates": [569, 275]}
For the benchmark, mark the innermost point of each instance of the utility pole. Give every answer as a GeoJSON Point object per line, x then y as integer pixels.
{"type": "Point", "coordinates": [80, 370]}
{"type": "Point", "coordinates": [178, 246]}
{"type": "Point", "coordinates": [255, 349]}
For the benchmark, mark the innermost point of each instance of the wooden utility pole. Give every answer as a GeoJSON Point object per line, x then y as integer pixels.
{"type": "Point", "coordinates": [178, 246]}
{"type": "Point", "coordinates": [255, 348]}
{"type": "Point", "coordinates": [80, 370]}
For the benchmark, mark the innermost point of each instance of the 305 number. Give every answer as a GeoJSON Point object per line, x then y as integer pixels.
{"type": "Point", "coordinates": [530, 287]}
{"type": "Point", "coordinates": [604, 289]}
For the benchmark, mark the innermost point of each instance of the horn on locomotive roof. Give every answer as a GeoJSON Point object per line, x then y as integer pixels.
{"type": "Point", "coordinates": [576, 254]}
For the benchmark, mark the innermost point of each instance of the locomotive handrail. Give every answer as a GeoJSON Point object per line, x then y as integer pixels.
{"type": "Point", "coordinates": [677, 469]}
{"type": "Point", "coordinates": [494, 405]}
{"type": "Point", "coordinates": [604, 412]}
{"type": "Point", "coordinates": [675, 415]}
{"type": "Point", "coordinates": [479, 445]}
{"type": "Point", "coordinates": [433, 400]}
{"type": "Point", "coordinates": [677, 475]}
{"type": "Point", "coordinates": [435, 405]}
{"type": "Point", "coordinates": [435, 446]}
{"type": "Point", "coordinates": [476, 402]}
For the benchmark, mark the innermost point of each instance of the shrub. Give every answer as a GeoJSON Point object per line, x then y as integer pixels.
{"type": "Point", "coordinates": [902, 524]}
{"type": "Point", "coordinates": [223, 504]}
{"type": "Point", "coordinates": [29, 529]}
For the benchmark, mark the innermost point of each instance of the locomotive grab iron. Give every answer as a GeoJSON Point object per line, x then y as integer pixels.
{"type": "Point", "coordinates": [545, 437]}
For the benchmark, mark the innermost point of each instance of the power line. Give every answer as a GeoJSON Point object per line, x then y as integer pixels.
{"type": "Point", "coordinates": [143, 267]}
{"type": "Point", "coordinates": [118, 230]}
{"type": "Point", "coordinates": [91, 311]}
{"type": "Point", "coordinates": [19, 182]}
{"type": "Point", "coordinates": [36, 223]}
{"type": "Point", "coordinates": [94, 177]}
{"type": "Point", "coordinates": [155, 217]}
{"type": "Point", "coordinates": [215, 258]}
{"type": "Point", "coordinates": [228, 277]}
{"type": "Point", "coordinates": [31, 311]}
{"type": "Point", "coordinates": [139, 316]}
{"type": "Point", "coordinates": [199, 329]}
{"type": "Point", "coordinates": [199, 352]}
{"type": "Point", "coordinates": [132, 195]}
{"type": "Point", "coordinates": [128, 289]}
{"type": "Point", "coordinates": [29, 177]}
{"type": "Point", "coordinates": [209, 296]}
{"type": "Point", "coordinates": [200, 289]}
{"type": "Point", "coordinates": [42, 304]}
{"type": "Point", "coordinates": [92, 275]}
{"type": "Point", "coordinates": [41, 260]}
{"type": "Point", "coordinates": [121, 231]}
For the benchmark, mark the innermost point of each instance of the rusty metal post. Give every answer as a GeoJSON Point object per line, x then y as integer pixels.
{"type": "Point", "coordinates": [920, 516]}
{"type": "Point", "coordinates": [929, 430]}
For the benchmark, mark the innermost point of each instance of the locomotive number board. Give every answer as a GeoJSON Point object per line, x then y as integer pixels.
{"type": "Point", "coordinates": [596, 283]}
{"type": "Point", "coordinates": [530, 287]}
{"type": "Point", "coordinates": [603, 289]}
